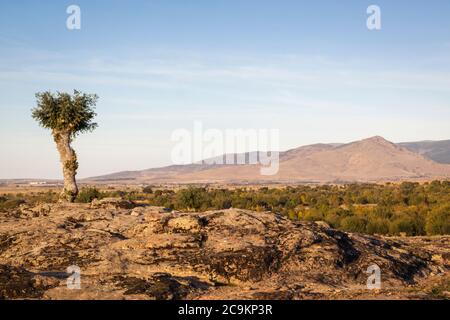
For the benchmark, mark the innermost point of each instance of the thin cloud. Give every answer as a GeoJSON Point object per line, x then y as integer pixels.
{"type": "Point", "coordinates": [291, 74]}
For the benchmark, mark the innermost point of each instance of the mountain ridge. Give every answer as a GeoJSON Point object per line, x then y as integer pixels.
{"type": "Point", "coordinates": [367, 160]}
{"type": "Point", "coordinates": [438, 151]}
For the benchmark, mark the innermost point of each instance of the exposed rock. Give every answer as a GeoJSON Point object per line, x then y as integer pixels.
{"type": "Point", "coordinates": [322, 224]}
{"type": "Point", "coordinates": [138, 211]}
{"type": "Point", "coordinates": [27, 211]}
{"type": "Point", "coordinates": [186, 223]}
{"type": "Point", "coordinates": [18, 283]}
{"type": "Point", "coordinates": [228, 254]}
{"type": "Point", "coordinates": [162, 286]}
{"type": "Point", "coordinates": [112, 203]}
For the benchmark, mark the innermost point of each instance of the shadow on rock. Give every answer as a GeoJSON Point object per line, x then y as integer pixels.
{"type": "Point", "coordinates": [162, 286]}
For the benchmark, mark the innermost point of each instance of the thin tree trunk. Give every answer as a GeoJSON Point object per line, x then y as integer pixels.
{"type": "Point", "coordinates": [69, 164]}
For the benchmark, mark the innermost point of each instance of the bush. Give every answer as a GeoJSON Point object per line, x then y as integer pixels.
{"type": "Point", "coordinates": [44, 197]}
{"type": "Point", "coordinates": [221, 203]}
{"type": "Point", "coordinates": [377, 226]}
{"type": "Point", "coordinates": [292, 215]}
{"type": "Point", "coordinates": [438, 221]}
{"type": "Point", "coordinates": [375, 209]}
{"type": "Point", "coordinates": [11, 204]}
{"type": "Point", "coordinates": [86, 195]}
{"type": "Point", "coordinates": [118, 194]}
{"type": "Point", "coordinates": [334, 220]}
{"type": "Point", "coordinates": [311, 215]}
{"type": "Point", "coordinates": [147, 190]}
{"type": "Point", "coordinates": [403, 225]}
{"type": "Point", "coordinates": [354, 224]}
{"type": "Point", "coordinates": [192, 198]}
{"type": "Point", "coordinates": [383, 212]}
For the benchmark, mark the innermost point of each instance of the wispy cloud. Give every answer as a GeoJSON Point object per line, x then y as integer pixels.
{"type": "Point", "coordinates": [277, 72]}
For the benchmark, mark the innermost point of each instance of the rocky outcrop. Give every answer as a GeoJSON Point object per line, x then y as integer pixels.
{"type": "Point", "coordinates": [149, 253]}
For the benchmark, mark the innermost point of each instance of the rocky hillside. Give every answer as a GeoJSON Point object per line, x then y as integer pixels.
{"type": "Point", "coordinates": [370, 160]}
{"type": "Point", "coordinates": [438, 151]}
{"type": "Point", "coordinates": [129, 252]}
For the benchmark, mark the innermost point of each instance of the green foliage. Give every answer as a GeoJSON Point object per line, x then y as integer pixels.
{"type": "Point", "coordinates": [13, 201]}
{"type": "Point", "coordinates": [408, 221]}
{"type": "Point", "coordinates": [147, 190]}
{"type": "Point", "coordinates": [366, 208]}
{"type": "Point", "coordinates": [377, 226]}
{"type": "Point", "coordinates": [354, 224]}
{"type": "Point", "coordinates": [400, 226]}
{"type": "Point", "coordinates": [438, 220]}
{"type": "Point", "coordinates": [11, 204]}
{"type": "Point", "coordinates": [64, 112]}
{"type": "Point", "coordinates": [410, 208]}
{"type": "Point", "coordinates": [312, 215]}
{"type": "Point", "coordinates": [86, 195]}
{"type": "Point", "coordinates": [192, 198]}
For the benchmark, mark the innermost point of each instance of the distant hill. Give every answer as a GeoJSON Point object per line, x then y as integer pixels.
{"type": "Point", "coordinates": [370, 160]}
{"type": "Point", "coordinates": [438, 151]}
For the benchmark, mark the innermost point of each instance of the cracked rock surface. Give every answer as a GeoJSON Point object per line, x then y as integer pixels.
{"type": "Point", "coordinates": [127, 252]}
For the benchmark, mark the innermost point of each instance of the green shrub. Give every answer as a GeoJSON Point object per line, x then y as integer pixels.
{"type": "Point", "coordinates": [377, 226]}
{"type": "Point", "coordinates": [118, 194]}
{"type": "Point", "coordinates": [221, 203]}
{"type": "Point", "coordinates": [11, 204]}
{"type": "Point", "coordinates": [354, 224]}
{"type": "Point", "coordinates": [438, 221]}
{"type": "Point", "coordinates": [292, 215]}
{"type": "Point", "coordinates": [133, 196]}
{"type": "Point", "coordinates": [147, 190]}
{"type": "Point", "coordinates": [403, 225]}
{"type": "Point", "coordinates": [44, 197]}
{"type": "Point", "coordinates": [334, 220]}
{"type": "Point", "coordinates": [311, 215]}
{"type": "Point", "coordinates": [383, 212]}
{"type": "Point", "coordinates": [192, 199]}
{"type": "Point", "coordinates": [86, 195]}
{"type": "Point", "coordinates": [371, 208]}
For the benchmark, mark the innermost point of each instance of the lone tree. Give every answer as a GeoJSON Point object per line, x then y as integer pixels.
{"type": "Point", "coordinates": [66, 115]}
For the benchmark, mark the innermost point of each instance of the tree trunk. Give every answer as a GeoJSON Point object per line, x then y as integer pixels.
{"type": "Point", "coordinates": [69, 163]}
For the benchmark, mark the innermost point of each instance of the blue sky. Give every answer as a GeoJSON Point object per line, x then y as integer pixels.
{"type": "Point", "coordinates": [309, 68]}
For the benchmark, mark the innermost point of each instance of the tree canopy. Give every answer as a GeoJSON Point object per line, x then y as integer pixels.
{"type": "Point", "coordinates": [65, 112]}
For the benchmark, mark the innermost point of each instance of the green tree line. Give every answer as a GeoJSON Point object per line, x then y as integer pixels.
{"type": "Point", "coordinates": [393, 209]}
